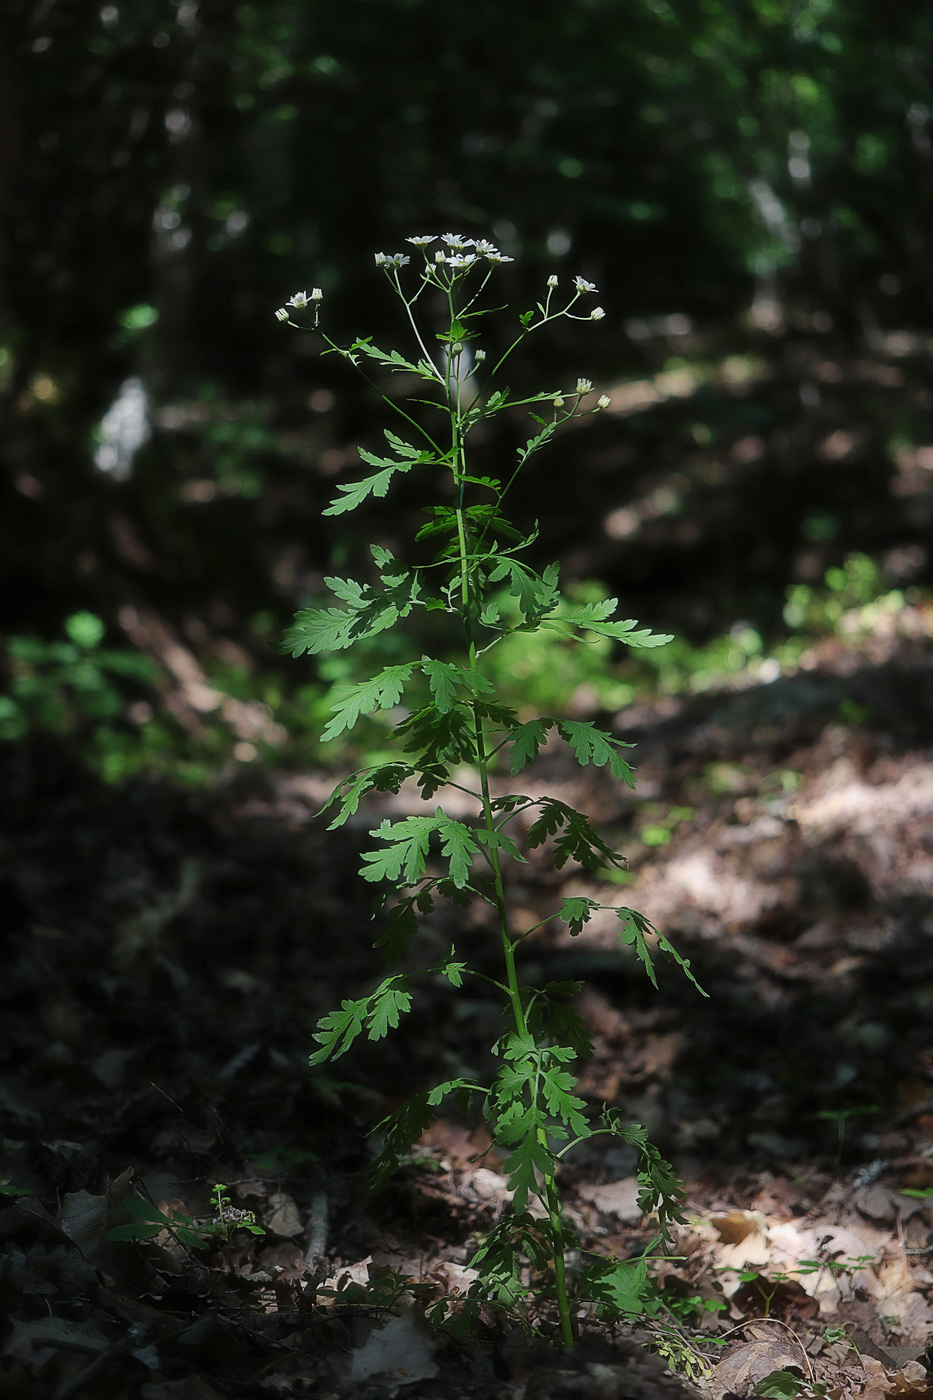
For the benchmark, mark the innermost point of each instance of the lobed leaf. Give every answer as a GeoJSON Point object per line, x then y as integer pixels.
{"type": "Point", "coordinates": [593, 745]}
{"type": "Point", "coordinates": [526, 741]}
{"type": "Point", "coordinates": [381, 692]}
{"type": "Point", "coordinates": [575, 911]}
{"type": "Point", "coordinates": [444, 681]}
{"type": "Point", "coordinates": [529, 1158]}
{"type": "Point", "coordinates": [356, 492]}
{"type": "Point", "coordinates": [592, 617]}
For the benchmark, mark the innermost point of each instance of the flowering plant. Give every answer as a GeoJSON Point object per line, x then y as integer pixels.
{"type": "Point", "coordinates": [456, 740]}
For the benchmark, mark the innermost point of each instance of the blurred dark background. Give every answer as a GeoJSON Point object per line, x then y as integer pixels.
{"type": "Point", "coordinates": [748, 182]}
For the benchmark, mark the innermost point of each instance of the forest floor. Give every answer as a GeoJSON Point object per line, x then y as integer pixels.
{"type": "Point", "coordinates": [168, 954]}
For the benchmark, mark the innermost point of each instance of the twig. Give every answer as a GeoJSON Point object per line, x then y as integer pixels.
{"type": "Point", "coordinates": [133, 1339]}
{"type": "Point", "coordinates": [317, 1239]}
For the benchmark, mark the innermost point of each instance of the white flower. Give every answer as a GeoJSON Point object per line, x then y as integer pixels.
{"type": "Point", "coordinates": [499, 258]}
{"type": "Point", "coordinates": [380, 259]}
{"type": "Point", "coordinates": [422, 240]}
{"type": "Point", "coordinates": [457, 242]}
{"type": "Point", "coordinates": [281, 314]}
{"type": "Point", "coordinates": [317, 294]}
{"type": "Point", "coordinates": [459, 261]}
{"type": "Point", "coordinates": [480, 356]}
{"type": "Point", "coordinates": [584, 386]}
{"type": "Point", "coordinates": [392, 259]}
{"type": "Point", "coordinates": [603, 401]}
{"type": "Point", "coordinates": [483, 246]}
{"type": "Point", "coordinates": [552, 280]}
{"type": "Point", "coordinates": [299, 300]}
{"type": "Point", "coordinates": [597, 313]}
{"type": "Point", "coordinates": [582, 285]}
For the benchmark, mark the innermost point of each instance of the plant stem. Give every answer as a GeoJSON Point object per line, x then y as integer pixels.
{"type": "Point", "coordinates": [551, 1195]}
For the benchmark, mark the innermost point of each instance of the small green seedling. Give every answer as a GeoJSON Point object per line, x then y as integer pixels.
{"type": "Point", "coordinates": [455, 736]}
{"type": "Point", "coordinates": [150, 1221]}
{"type": "Point", "coordinates": [841, 1116]}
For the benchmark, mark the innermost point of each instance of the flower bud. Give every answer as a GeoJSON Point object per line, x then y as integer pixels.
{"type": "Point", "coordinates": [597, 313]}
{"type": "Point", "coordinates": [282, 314]}
{"type": "Point", "coordinates": [584, 386]}
{"type": "Point", "coordinates": [552, 280]}
{"type": "Point", "coordinates": [558, 400]}
{"type": "Point", "coordinates": [603, 401]}
{"type": "Point", "coordinates": [480, 356]}
{"type": "Point", "coordinates": [380, 259]}
{"type": "Point", "coordinates": [316, 294]}
{"type": "Point", "coordinates": [440, 256]}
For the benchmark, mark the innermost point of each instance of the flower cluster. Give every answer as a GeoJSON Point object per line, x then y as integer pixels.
{"type": "Point", "coordinates": [299, 301]}
{"type": "Point", "coordinates": [457, 254]}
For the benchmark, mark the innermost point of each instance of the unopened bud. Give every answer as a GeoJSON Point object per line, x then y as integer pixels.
{"type": "Point", "coordinates": [552, 280]}
{"type": "Point", "coordinates": [597, 313]}
{"type": "Point", "coordinates": [558, 400]}
{"type": "Point", "coordinates": [281, 314]}
{"type": "Point", "coordinates": [316, 294]}
{"type": "Point", "coordinates": [603, 401]}
{"type": "Point", "coordinates": [439, 256]}
{"type": "Point", "coordinates": [480, 356]}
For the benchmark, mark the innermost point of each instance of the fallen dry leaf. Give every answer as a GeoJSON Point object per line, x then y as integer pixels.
{"type": "Point", "coordinates": [618, 1198]}
{"type": "Point", "coordinates": [284, 1218]}
{"type": "Point", "coordinates": [746, 1364]}
{"type": "Point", "coordinates": [396, 1355]}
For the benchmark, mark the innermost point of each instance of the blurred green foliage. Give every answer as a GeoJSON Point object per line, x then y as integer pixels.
{"type": "Point", "coordinates": [77, 688]}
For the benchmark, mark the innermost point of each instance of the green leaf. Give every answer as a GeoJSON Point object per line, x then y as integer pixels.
{"type": "Point", "coordinates": [404, 925]}
{"type": "Point", "coordinates": [140, 1231]}
{"type": "Point", "coordinates": [376, 1013]}
{"type": "Point", "coordinates": [453, 1086]}
{"type": "Point", "coordinates": [459, 846]}
{"type": "Point", "coordinates": [401, 1129]}
{"type": "Point", "coordinates": [349, 791]}
{"type": "Point", "coordinates": [593, 745]}
{"type": "Point", "coordinates": [406, 450]}
{"type": "Point", "coordinates": [530, 1157]}
{"type": "Point", "coordinates": [370, 611]}
{"type": "Point", "coordinates": [622, 1288]}
{"type": "Point", "coordinates": [392, 359]}
{"type": "Point", "coordinates": [578, 840]}
{"type": "Point", "coordinates": [556, 1088]}
{"type": "Point", "coordinates": [575, 911]}
{"type": "Point", "coordinates": [444, 681]}
{"type": "Point", "coordinates": [497, 840]}
{"type": "Point", "coordinates": [591, 617]}
{"type": "Point", "coordinates": [439, 738]}
{"type": "Point", "coordinates": [337, 1030]}
{"type": "Point", "coordinates": [391, 1001]}
{"type": "Point", "coordinates": [451, 968]}
{"type": "Point", "coordinates": [355, 493]}
{"type": "Point", "coordinates": [661, 1191]}
{"type": "Point", "coordinates": [779, 1385]}
{"type": "Point", "coordinates": [526, 741]}
{"type": "Point", "coordinates": [635, 932]}
{"type": "Point", "coordinates": [534, 443]}
{"type": "Point", "coordinates": [537, 594]}
{"type": "Point", "coordinates": [381, 692]}
{"type": "Point", "coordinates": [403, 860]}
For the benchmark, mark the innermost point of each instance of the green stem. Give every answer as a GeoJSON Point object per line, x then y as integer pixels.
{"type": "Point", "coordinates": [551, 1193]}
{"type": "Point", "coordinates": [552, 1202]}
